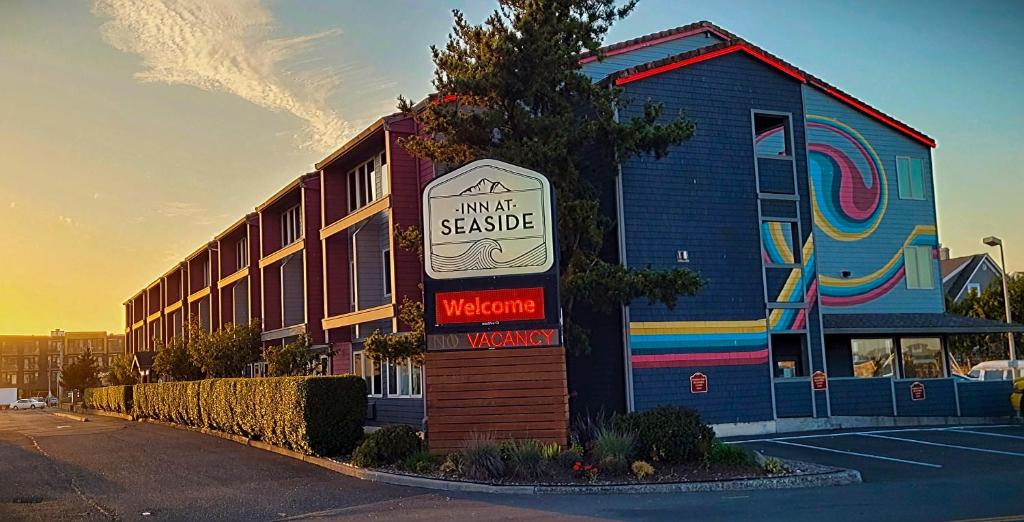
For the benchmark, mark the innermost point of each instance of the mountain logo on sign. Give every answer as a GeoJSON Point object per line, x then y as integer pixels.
{"type": "Point", "coordinates": [485, 186]}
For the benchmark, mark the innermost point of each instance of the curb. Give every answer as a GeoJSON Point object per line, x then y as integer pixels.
{"type": "Point", "coordinates": [123, 416]}
{"type": "Point", "coordinates": [71, 416]}
{"type": "Point", "coordinates": [838, 477]}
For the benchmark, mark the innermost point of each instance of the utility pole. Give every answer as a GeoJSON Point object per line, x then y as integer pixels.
{"type": "Point", "coordinates": [995, 241]}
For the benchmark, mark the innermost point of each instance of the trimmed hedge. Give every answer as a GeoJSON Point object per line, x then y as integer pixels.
{"type": "Point", "coordinates": [313, 415]}
{"type": "Point", "coordinates": [109, 398]}
{"type": "Point", "coordinates": [668, 433]}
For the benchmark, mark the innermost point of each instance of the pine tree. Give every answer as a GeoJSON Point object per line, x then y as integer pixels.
{"type": "Point", "coordinates": [81, 373]}
{"type": "Point", "coordinates": [512, 89]}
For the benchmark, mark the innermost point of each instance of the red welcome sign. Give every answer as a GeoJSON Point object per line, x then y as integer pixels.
{"type": "Point", "coordinates": [917, 391]}
{"type": "Point", "coordinates": [489, 306]}
{"type": "Point", "coordinates": [819, 381]}
{"type": "Point", "coordinates": [698, 383]}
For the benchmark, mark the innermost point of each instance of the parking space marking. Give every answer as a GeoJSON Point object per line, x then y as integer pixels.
{"type": "Point", "coordinates": [845, 452]}
{"type": "Point", "coordinates": [900, 430]}
{"type": "Point", "coordinates": [954, 446]}
{"type": "Point", "coordinates": [1003, 435]}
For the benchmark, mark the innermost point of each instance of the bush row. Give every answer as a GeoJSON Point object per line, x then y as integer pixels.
{"type": "Point", "coordinates": [313, 415]}
{"type": "Point", "coordinates": [110, 398]}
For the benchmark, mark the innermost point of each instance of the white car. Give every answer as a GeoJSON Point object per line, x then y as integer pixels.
{"type": "Point", "coordinates": [27, 404]}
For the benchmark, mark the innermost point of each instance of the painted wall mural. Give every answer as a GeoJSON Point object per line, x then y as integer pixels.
{"type": "Point", "coordinates": [788, 319]}
{"type": "Point", "coordinates": [777, 242]}
{"type": "Point", "coordinates": [684, 344]}
{"type": "Point", "coordinates": [848, 186]}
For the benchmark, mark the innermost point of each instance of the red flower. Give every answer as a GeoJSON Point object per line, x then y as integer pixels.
{"type": "Point", "coordinates": [576, 466]}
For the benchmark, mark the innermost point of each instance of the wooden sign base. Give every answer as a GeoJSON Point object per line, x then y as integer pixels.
{"type": "Point", "coordinates": [507, 394]}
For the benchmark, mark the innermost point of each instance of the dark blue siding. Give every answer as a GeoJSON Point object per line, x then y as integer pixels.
{"type": "Point", "coordinates": [985, 398]}
{"type": "Point", "coordinates": [871, 397]}
{"type": "Point", "coordinates": [939, 401]}
{"type": "Point", "coordinates": [735, 393]}
{"type": "Point", "coordinates": [775, 176]}
{"type": "Point", "coordinates": [397, 411]}
{"type": "Point", "coordinates": [793, 398]}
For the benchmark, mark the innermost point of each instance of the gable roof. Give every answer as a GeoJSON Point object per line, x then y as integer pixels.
{"type": "Point", "coordinates": [951, 267]}
{"type": "Point", "coordinates": [736, 44]}
{"type": "Point", "coordinates": [659, 37]}
{"type": "Point", "coordinates": [955, 283]}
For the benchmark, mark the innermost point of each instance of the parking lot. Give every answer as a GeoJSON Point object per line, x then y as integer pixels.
{"type": "Point", "coordinates": [898, 454]}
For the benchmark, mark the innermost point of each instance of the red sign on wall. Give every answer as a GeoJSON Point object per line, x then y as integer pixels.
{"type": "Point", "coordinates": [819, 381]}
{"type": "Point", "coordinates": [490, 306]}
{"type": "Point", "coordinates": [917, 391]}
{"type": "Point", "coordinates": [698, 383]}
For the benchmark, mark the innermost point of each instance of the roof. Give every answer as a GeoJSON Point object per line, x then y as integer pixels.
{"type": "Point", "coordinates": [736, 44]}
{"type": "Point", "coordinates": [351, 144]}
{"type": "Point", "coordinates": [949, 266]}
{"type": "Point", "coordinates": [957, 280]}
{"type": "Point", "coordinates": [294, 184]}
{"type": "Point", "coordinates": [657, 38]}
{"type": "Point", "coordinates": [913, 324]}
{"type": "Point", "coordinates": [144, 360]}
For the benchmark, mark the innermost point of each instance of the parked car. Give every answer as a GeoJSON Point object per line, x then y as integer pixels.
{"type": "Point", "coordinates": [27, 404]}
{"type": "Point", "coordinates": [1015, 397]}
{"type": "Point", "coordinates": [51, 401]}
{"type": "Point", "coordinates": [992, 371]}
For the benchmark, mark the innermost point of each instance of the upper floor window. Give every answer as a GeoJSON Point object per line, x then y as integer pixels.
{"type": "Point", "coordinates": [206, 273]}
{"type": "Point", "coordinates": [386, 263]}
{"type": "Point", "coordinates": [910, 177]}
{"type": "Point", "coordinates": [291, 226]}
{"type": "Point", "coordinates": [361, 187]}
{"type": "Point", "coordinates": [771, 135]}
{"type": "Point", "coordinates": [917, 260]}
{"type": "Point", "coordinates": [242, 253]}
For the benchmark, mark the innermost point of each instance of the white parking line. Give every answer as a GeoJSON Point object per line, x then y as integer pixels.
{"type": "Point", "coordinates": [899, 430]}
{"type": "Point", "coordinates": [1003, 435]}
{"type": "Point", "coordinates": [954, 446]}
{"type": "Point", "coordinates": [856, 454]}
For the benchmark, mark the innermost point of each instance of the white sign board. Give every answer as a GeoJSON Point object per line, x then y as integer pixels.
{"type": "Point", "coordinates": [488, 218]}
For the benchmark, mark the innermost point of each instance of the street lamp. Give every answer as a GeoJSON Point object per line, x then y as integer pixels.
{"type": "Point", "coordinates": [993, 241]}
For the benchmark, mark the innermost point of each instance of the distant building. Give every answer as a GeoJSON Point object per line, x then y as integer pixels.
{"type": "Point", "coordinates": [963, 275]}
{"type": "Point", "coordinates": [32, 362]}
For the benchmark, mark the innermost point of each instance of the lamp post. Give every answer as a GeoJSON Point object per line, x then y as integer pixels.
{"type": "Point", "coordinates": [995, 241]}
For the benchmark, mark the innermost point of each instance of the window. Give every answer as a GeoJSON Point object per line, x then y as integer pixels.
{"type": "Point", "coordinates": [291, 226]}
{"type": "Point", "coordinates": [361, 187]}
{"type": "Point", "coordinates": [383, 174]}
{"type": "Point", "coordinates": [206, 273]}
{"type": "Point", "coordinates": [386, 261]}
{"type": "Point", "coordinates": [910, 176]}
{"type": "Point", "coordinates": [771, 135]}
{"type": "Point", "coordinates": [778, 240]}
{"type": "Point", "coordinates": [917, 260]}
{"type": "Point", "coordinates": [404, 379]}
{"type": "Point", "coordinates": [370, 371]}
{"type": "Point", "coordinates": [9, 378]}
{"type": "Point", "coordinates": [242, 253]}
{"type": "Point", "coordinates": [922, 358]}
{"type": "Point", "coordinates": [789, 354]}
{"type": "Point", "coordinates": [872, 357]}
{"type": "Point", "coordinates": [974, 287]}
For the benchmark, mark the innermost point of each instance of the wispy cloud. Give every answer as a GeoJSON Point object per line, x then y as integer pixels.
{"type": "Point", "coordinates": [179, 209]}
{"type": "Point", "coordinates": [223, 45]}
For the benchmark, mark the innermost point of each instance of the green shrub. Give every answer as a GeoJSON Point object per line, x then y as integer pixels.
{"type": "Point", "coordinates": [585, 427]}
{"type": "Point", "coordinates": [481, 458]}
{"type": "Point", "coordinates": [642, 469]}
{"type": "Point", "coordinates": [388, 445]}
{"type": "Point", "coordinates": [452, 463]}
{"type": "Point", "coordinates": [668, 433]}
{"type": "Point", "coordinates": [526, 458]}
{"type": "Point", "coordinates": [109, 398]}
{"type": "Point", "coordinates": [551, 451]}
{"type": "Point", "coordinates": [419, 462]}
{"type": "Point", "coordinates": [773, 466]}
{"type": "Point", "coordinates": [613, 449]}
{"type": "Point", "coordinates": [313, 415]}
{"type": "Point", "coordinates": [731, 455]}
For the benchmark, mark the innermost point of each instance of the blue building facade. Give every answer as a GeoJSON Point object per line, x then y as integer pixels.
{"type": "Point", "coordinates": [811, 218]}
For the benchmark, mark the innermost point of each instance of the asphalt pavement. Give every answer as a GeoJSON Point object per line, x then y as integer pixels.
{"type": "Point", "coordinates": [53, 468]}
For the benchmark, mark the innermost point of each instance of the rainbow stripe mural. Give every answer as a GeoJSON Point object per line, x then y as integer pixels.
{"type": "Point", "coordinates": [781, 320]}
{"type": "Point", "coordinates": [848, 183]}
{"type": "Point", "coordinates": [854, 291]}
{"type": "Point", "coordinates": [777, 242]}
{"type": "Point", "coordinates": [684, 344]}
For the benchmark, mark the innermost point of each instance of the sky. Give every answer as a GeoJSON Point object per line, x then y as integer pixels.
{"type": "Point", "coordinates": [133, 131]}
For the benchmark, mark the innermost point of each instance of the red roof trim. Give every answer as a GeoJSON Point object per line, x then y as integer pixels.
{"type": "Point", "coordinates": [654, 41]}
{"type": "Point", "coordinates": [787, 69]}
{"type": "Point", "coordinates": [870, 111]}
{"type": "Point", "coordinates": [709, 55]}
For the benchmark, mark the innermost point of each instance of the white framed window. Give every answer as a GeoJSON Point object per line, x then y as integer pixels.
{"type": "Point", "coordinates": [910, 177]}
{"type": "Point", "coordinates": [386, 264]}
{"type": "Point", "coordinates": [917, 261]}
{"type": "Point", "coordinates": [382, 173]}
{"type": "Point", "coordinates": [974, 287]}
{"type": "Point", "coordinates": [242, 253]}
{"type": "Point", "coordinates": [405, 379]}
{"type": "Point", "coordinates": [872, 357]}
{"type": "Point", "coordinates": [362, 187]}
{"type": "Point", "coordinates": [370, 371]}
{"type": "Point", "coordinates": [206, 272]}
{"type": "Point", "coordinates": [291, 226]}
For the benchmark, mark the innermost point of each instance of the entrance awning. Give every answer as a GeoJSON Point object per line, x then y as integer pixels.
{"type": "Point", "coordinates": [934, 324]}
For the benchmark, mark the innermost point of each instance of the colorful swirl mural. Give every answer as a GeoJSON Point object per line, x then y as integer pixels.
{"type": "Point", "coordinates": [684, 344]}
{"type": "Point", "coordinates": [777, 242]}
{"type": "Point", "coordinates": [840, 292]}
{"type": "Point", "coordinates": [786, 319]}
{"type": "Point", "coordinates": [848, 183]}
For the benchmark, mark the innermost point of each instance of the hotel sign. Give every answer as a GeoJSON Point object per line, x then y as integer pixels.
{"type": "Point", "coordinates": [491, 273]}
{"type": "Point", "coordinates": [488, 218]}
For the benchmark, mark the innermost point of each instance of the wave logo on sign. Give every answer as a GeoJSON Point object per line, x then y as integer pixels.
{"type": "Point", "coordinates": [488, 218]}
